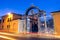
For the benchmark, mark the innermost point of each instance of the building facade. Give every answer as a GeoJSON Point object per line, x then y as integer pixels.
{"type": "Point", "coordinates": [56, 18]}
{"type": "Point", "coordinates": [12, 23]}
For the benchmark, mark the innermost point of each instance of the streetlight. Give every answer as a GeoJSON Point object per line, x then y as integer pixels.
{"type": "Point", "coordinates": [10, 15]}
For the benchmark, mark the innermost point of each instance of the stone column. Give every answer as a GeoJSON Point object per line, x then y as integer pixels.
{"type": "Point", "coordinates": [38, 24]}
{"type": "Point", "coordinates": [25, 24]}
{"type": "Point", "coordinates": [45, 23]}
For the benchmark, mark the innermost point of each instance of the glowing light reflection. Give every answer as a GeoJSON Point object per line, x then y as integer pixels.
{"type": "Point", "coordinates": [6, 37]}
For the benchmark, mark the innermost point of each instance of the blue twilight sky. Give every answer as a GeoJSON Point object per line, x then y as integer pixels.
{"type": "Point", "coordinates": [20, 6]}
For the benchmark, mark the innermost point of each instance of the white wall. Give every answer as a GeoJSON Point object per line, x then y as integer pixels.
{"type": "Point", "coordinates": [21, 26]}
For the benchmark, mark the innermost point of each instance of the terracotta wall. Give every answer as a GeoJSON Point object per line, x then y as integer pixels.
{"type": "Point", "coordinates": [56, 18]}
{"type": "Point", "coordinates": [12, 23]}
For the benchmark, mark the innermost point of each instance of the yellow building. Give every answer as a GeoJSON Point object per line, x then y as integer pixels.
{"type": "Point", "coordinates": [12, 23]}
{"type": "Point", "coordinates": [56, 18]}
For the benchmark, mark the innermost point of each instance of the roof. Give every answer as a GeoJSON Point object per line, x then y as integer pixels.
{"type": "Point", "coordinates": [55, 11]}
{"type": "Point", "coordinates": [17, 14]}
{"type": "Point", "coordinates": [13, 13]}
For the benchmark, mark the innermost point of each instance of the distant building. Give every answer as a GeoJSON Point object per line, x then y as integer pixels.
{"type": "Point", "coordinates": [12, 23]}
{"type": "Point", "coordinates": [56, 18]}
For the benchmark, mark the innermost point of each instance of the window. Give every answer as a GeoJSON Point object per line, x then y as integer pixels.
{"type": "Point", "coordinates": [9, 19]}
{"type": "Point", "coordinates": [8, 26]}
{"type": "Point", "coordinates": [0, 21]}
{"type": "Point", "coordinates": [3, 20]}
{"type": "Point", "coordinates": [1, 27]}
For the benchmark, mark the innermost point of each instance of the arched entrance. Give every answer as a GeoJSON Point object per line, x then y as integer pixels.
{"type": "Point", "coordinates": [34, 19]}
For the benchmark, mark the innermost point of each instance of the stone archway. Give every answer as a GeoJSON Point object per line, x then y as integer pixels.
{"type": "Point", "coordinates": [33, 23]}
